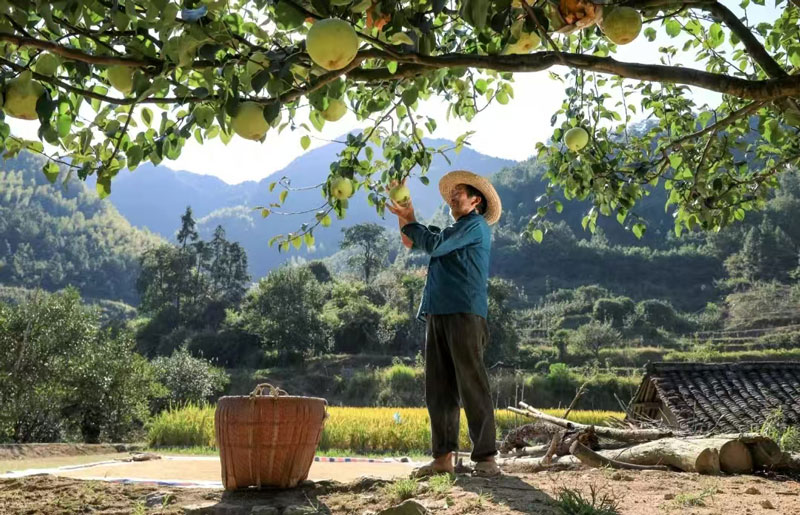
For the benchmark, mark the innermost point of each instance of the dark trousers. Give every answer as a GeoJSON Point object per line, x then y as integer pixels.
{"type": "Point", "coordinates": [454, 370]}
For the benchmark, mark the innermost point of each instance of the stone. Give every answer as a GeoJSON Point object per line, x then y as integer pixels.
{"type": "Point", "coordinates": [265, 510]}
{"type": "Point", "coordinates": [299, 509]}
{"type": "Point", "coordinates": [158, 499]}
{"type": "Point", "coordinates": [752, 491]}
{"type": "Point", "coordinates": [407, 507]}
{"type": "Point", "coordinates": [205, 508]}
{"type": "Point", "coordinates": [767, 505]}
{"type": "Point", "coordinates": [669, 497]}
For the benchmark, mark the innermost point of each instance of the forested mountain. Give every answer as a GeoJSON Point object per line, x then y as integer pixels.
{"type": "Point", "coordinates": [56, 235]}
{"type": "Point", "coordinates": [155, 197]}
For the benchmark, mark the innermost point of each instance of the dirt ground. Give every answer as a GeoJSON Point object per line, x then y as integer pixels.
{"type": "Point", "coordinates": [639, 493]}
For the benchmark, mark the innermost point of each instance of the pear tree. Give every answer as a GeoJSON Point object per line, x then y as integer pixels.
{"type": "Point", "coordinates": [116, 83]}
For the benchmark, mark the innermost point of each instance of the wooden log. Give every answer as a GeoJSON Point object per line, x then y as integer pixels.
{"type": "Point", "coordinates": [790, 461]}
{"type": "Point", "coordinates": [594, 459]}
{"type": "Point", "coordinates": [766, 452]}
{"type": "Point", "coordinates": [624, 435]}
{"type": "Point", "coordinates": [701, 455]}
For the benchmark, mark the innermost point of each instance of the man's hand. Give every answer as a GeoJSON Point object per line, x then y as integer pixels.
{"type": "Point", "coordinates": [405, 214]}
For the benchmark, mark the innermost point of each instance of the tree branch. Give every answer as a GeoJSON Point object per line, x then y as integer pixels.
{"type": "Point", "coordinates": [76, 55]}
{"type": "Point", "coordinates": [769, 89]}
{"type": "Point", "coordinates": [753, 46]}
{"type": "Point", "coordinates": [744, 111]}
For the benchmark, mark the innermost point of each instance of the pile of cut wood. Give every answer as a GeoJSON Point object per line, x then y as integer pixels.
{"type": "Point", "coordinates": [572, 444]}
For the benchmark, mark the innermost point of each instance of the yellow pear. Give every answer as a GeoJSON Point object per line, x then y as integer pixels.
{"type": "Point", "coordinates": [400, 194]}
{"type": "Point", "coordinates": [332, 43]}
{"type": "Point", "coordinates": [341, 188]}
{"type": "Point", "coordinates": [622, 25]}
{"type": "Point", "coordinates": [576, 138]}
{"type": "Point", "coordinates": [525, 44]}
{"type": "Point", "coordinates": [21, 96]}
{"type": "Point", "coordinates": [47, 64]}
{"type": "Point", "coordinates": [121, 78]}
{"type": "Point", "coordinates": [249, 122]}
{"type": "Point", "coordinates": [336, 109]}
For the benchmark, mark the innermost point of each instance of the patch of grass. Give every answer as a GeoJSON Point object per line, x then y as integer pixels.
{"type": "Point", "coordinates": [402, 489]}
{"type": "Point", "coordinates": [694, 499]}
{"type": "Point", "coordinates": [572, 502]}
{"type": "Point", "coordinates": [441, 484]}
{"type": "Point", "coordinates": [196, 450]}
{"type": "Point", "coordinates": [482, 500]}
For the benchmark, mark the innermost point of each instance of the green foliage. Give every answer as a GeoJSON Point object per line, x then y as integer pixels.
{"type": "Point", "coordinates": [206, 60]}
{"type": "Point", "coordinates": [360, 319]}
{"type": "Point", "coordinates": [614, 311]}
{"type": "Point", "coordinates": [402, 386]}
{"type": "Point", "coordinates": [187, 379]}
{"type": "Point", "coordinates": [371, 247]}
{"type": "Point", "coordinates": [52, 237]}
{"type": "Point", "coordinates": [62, 377]}
{"type": "Point", "coordinates": [503, 321]}
{"type": "Point", "coordinates": [595, 336]}
{"type": "Point", "coordinates": [194, 282]}
{"type": "Point", "coordinates": [284, 312]}
{"type": "Point", "coordinates": [776, 428]}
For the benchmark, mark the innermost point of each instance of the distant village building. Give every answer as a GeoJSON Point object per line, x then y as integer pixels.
{"type": "Point", "coordinates": [718, 397]}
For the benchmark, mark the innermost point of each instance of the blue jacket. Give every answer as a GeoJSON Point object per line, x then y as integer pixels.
{"type": "Point", "coordinates": [458, 272]}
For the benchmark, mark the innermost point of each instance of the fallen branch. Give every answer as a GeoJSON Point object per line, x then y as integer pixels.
{"type": "Point", "coordinates": [625, 435]}
{"type": "Point", "coordinates": [594, 459]}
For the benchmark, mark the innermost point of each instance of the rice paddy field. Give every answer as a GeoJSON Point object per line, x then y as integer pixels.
{"type": "Point", "coordinates": [357, 430]}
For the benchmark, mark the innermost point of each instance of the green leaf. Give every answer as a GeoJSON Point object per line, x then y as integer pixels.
{"type": "Point", "coordinates": [639, 229]}
{"type": "Point", "coordinates": [410, 96]}
{"type": "Point", "coordinates": [103, 186]}
{"type": "Point", "coordinates": [309, 239]}
{"type": "Point", "coordinates": [326, 221]}
{"type": "Point", "coordinates": [391, 66]}
{"type": "Point", "coordinates": [51, 171]}
{"type": "Point", "coordinates": [537, 235]}
{"type": "Point", "coordinates": [297, 242]}
{"type": "Point", "coordinates": [265, 213]}
{"type": "Point", "coordinates": [305, 141]}
{"type": "Point", "coordinates": [559, 207]}
{"type": "Point", "coordinates": [401, 38]}
{"type": "Point", "coordinates": [673, 28]}
{"type": "Point", "coordinates": [316, 119]}
{"type": "Point", "coordinates": [283, 196]}
{"type": "Point", "coordinates": [147, 116]}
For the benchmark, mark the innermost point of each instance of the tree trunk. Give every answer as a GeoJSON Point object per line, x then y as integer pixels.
{"type": "Point", "coordinates": [597, 460]}
{"type": "Point", "coordinates": [702, 455]}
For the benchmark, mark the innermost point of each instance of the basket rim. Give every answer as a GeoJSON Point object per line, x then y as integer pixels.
{"type": "Point", "coordinates": [270, 397]}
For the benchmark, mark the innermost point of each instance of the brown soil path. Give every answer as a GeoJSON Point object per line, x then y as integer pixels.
{"type": "Point", "coordinates": [208, 469]}
{"type": "Point", "coordinates": [634, 493]}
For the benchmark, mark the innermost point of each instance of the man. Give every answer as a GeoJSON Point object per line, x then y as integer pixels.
{"type": "Point", "coordinates": [454, 306]}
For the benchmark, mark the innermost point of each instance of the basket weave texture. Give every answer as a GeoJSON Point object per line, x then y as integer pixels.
{"type": "Point", "coordinates": [267, 440]}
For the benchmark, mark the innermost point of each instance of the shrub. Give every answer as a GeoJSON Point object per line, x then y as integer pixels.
{"type": "Point", "coordinates": [188, 379]}
{"type": "Point", "coordinates": [401, 386]}
{"type": "Point", "coordinates": [613, 310]}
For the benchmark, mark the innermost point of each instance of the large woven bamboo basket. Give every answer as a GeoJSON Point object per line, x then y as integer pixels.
{"type": "Point", "coordinates": [267, 440]}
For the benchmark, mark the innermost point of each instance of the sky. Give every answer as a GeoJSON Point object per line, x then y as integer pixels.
{"type": "Point", "coordinates": [508, 131]}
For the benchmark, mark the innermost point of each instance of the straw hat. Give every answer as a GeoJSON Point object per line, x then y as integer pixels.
{"type": "Point", "coordinates": [493, 205]}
